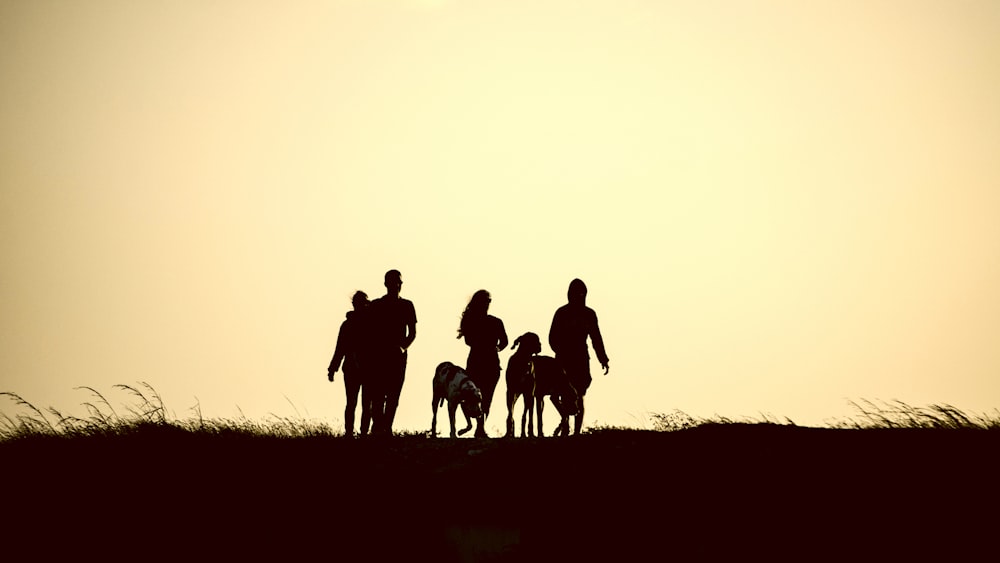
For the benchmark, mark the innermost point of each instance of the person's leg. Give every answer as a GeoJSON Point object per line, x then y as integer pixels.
{"type": "Point", "coordinates": [376, 384]}
{"type": "Point", "coordinates": [484, 371]}
{"type": "Point", "coordinates": [351, 385]}
{"type": "Point", "coordinates": [366, 409]}
{"type": "Point", "coordinates": [566, 406]}
{"type": "Point", "coordinates": [581, 385]}
{"type": "Point", "coordinates": [489, 388]}
{"type": "Point", "coordinates": [578, 373]}
{"type": "Point", "coordinates": [394, 386]}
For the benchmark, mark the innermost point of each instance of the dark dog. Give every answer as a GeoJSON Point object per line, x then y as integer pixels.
{"type": "Point", "coordinates": [451, 383]}
{"type": "Point", "coordinates": [551, 379]}
{"type": "Point", "coordinates": [520, 382]}
{"type": "Point", "coordinates": [533, 377]}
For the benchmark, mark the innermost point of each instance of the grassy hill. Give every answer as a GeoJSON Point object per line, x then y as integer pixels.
{"type": "Point", "coordinates": [712, 491]}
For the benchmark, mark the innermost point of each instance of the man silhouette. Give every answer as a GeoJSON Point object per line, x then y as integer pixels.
{"type": "Point", "coordinates": [393, 328]}
{"type": "Point", "coordinates": [571, 325]}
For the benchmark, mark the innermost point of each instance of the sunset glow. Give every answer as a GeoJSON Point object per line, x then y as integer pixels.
{"type": "Point", "coordinates": [778, 207]}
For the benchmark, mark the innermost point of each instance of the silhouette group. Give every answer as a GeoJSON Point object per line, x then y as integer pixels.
{"type": "Point", "coordinates": [372, 345]}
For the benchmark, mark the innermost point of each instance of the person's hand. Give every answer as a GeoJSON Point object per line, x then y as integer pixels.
{"type": "Point", "coordinates": [329, 374]}
{"type": "Point", "coordinates": [606, 368]}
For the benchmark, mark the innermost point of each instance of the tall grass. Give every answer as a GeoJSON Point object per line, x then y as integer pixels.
{"type": "Point", "coordinates": [145, 411]}
{"type": "Point", "coordinates": [680, 420]}
{"type": "Point", "coordinates": [868, 415]}
{"type": "Point", "coordinates": [897, 414]}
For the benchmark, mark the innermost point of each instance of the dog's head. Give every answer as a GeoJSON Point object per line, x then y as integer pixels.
{"type": "Point", "coordinates": [529, 342]}
{"type": "Point", "coordinates": [471, 398]}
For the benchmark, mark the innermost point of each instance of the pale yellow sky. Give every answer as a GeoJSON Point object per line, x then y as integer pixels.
{"type": "Point", "coordinates": [778, 207]}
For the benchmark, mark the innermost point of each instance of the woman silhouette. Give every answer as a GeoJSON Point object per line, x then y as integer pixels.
{"type": "Point", "coordinates": [350, 350]}
{"type": "Point", "coordinates": [485, 336]}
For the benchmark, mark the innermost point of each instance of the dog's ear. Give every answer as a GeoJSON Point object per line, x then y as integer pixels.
{"type": "Point", "coordinates": [516, 342]}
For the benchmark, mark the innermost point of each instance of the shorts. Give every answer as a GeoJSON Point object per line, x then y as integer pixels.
{"type": "Point", "coordinates": [578, 373]}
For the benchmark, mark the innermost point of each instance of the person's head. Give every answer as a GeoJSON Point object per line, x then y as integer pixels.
{"type": "Point", "coordinates": [393, 282]}
{"type": "Point", "coordinates": [359, 300]}
{"type": "Point", "coordinates": [480, 302]}
{"type": "Point", "coordinates": [577, 293]}
{"type": "Point", "coordinates": [477, 308]}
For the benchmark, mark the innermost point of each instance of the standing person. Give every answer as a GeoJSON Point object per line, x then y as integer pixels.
{"type": "Point", "coordinates": [485, 336]}
{"type": "Point", "coordinates": [349, 351]}
{"type": "Point", "coordinates": [393, 328]}
{"type": "Point", "coordinates": [571, 325]}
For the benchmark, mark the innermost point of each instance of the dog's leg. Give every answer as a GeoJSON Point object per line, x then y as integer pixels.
{"type": "Point", "coordinates": [527, 416]}
{"type": "Point", "coordinates": [434, 420]}
{"type": "Point", "coordinates": [560, 404]}
{"type": "Point", "coordinates": [563, 429]}
{"type": "Point", "coordinates": [451, 416]}
{"type": "Point", "coordinates": [578, 419]}
{"type": "Point", "coordinates": [468, 422]}
{"type": "Point", "coordinates": [481, 427]}
{"type": "Point", "coordinates": [525, 412]}
{"type": "Point", "coordinates": [511, 400]}
{"type": "Point", "coordinates": [539, 407]}
{"type": "Point", "coordinates": [529, 401]}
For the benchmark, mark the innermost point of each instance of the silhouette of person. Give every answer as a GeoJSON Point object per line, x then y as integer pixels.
{"type": "Point", "coordinates": [571, 325]}
{"type": "Point", "coordinates": [392, 330]}
{"type": "Point", "coordinates": [350, 351]}
{"type": "Point", "coordinates": [485, 336]}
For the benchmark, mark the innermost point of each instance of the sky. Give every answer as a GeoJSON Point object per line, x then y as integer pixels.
{"type": "Point", "coordinates": [779, 207]}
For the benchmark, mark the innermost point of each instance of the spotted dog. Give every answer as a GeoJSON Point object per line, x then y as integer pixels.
{"type": "Point", "coordinates": [534, 376]}
{"type": "Point", "coordinates": [451, 383]}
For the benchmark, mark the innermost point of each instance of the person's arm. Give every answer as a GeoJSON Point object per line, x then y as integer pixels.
{"type": "Point", "coordinates": [411, 334]}
{"type": "Point", "coordinates": [411, 327]}
{"type": "Point", "coordinates": [339, 352]}
{"type": "Point", "coordinates": [598, 342]}
{"type": "Point", "coordinates": [502, 344]}
{"type": "Point", "coordinates": [556, 332]}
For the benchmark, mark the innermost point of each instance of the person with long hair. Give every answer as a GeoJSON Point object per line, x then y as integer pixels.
{"type": "Point", "coordinates": [486, 337]}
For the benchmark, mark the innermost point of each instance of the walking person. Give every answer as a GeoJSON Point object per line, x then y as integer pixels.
{"type": "Point", "coordinates": [485, 335]}
{"type": "Point", "coordinates": [349, 352]}
{"type": "Point", "coordinates": [393, 329]}
{"type": "Point", "coordinates": [572, 324]}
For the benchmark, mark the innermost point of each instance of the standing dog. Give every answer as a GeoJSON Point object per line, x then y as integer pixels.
{"type": "Point", "coordinates": [551, 379]}
{"type": "Point", "coordinates": [533, 377]}
{"type": "Point", "coordinates": [451, 383]}
{"type": "Point", "coordinates": [520, 382]}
